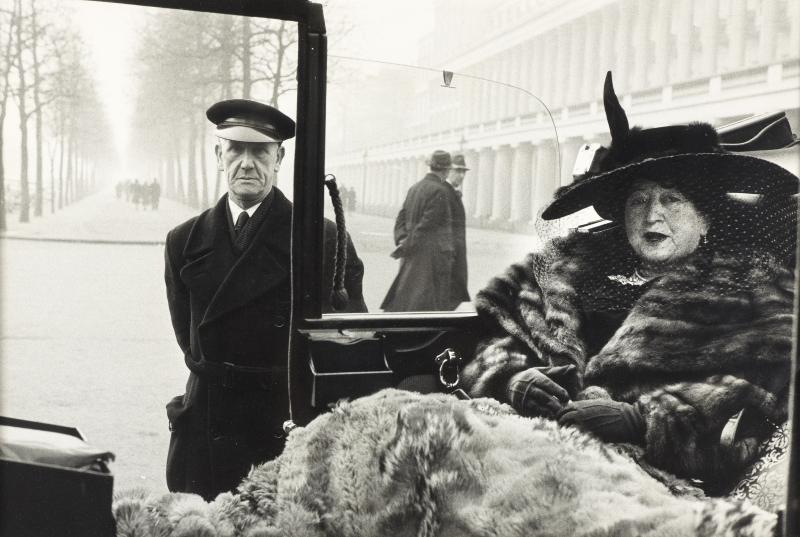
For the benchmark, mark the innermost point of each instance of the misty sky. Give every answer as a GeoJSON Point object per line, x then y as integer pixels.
{"type": "Point", "coordinates": [388, 30]}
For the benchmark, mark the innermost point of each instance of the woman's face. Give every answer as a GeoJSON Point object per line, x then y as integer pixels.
{"type": "Point", "coordinates": [662, 225]}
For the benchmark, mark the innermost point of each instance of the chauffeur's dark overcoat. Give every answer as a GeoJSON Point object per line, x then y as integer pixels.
{"type": "Point", "coordinates": [230, 312]}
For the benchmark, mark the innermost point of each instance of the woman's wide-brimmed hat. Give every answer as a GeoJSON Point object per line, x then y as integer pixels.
{"type": "Point", "coordinates": [690, 156]}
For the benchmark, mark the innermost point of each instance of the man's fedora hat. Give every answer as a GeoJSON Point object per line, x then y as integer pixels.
{"type": "Point", "coordinates": [690, 154]}
{"type": "Point", "coordinates": [459, 163]}
{"type": "Point", "coordinates": [439, 160]}
{"type": "Point", "coordinates": [249, 121]}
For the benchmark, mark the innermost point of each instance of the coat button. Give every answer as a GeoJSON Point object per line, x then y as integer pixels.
{"type": "Point", "coordinates": [279, 321]}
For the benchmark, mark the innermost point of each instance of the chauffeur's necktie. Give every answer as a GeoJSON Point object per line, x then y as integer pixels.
{"type": "Point", "coordinates": [241, 222]}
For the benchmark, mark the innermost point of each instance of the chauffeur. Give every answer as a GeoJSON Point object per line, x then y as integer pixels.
{"type": "Point", "coordinates": [227, 280]}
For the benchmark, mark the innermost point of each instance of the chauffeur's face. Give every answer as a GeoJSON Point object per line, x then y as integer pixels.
{"type": "Point", "coordinates": [250, 167]}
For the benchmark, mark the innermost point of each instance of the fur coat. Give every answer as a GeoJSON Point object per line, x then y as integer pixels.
{"type": "Point", "coordinates": [693, 347]}
{"type": "Point", "coordinates": [405, 464]}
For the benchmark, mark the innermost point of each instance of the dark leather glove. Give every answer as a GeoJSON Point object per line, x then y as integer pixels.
{"type": "Point", "coordinates": [537, 391]}
{"type": "Point", "coordinates": [611, 421]}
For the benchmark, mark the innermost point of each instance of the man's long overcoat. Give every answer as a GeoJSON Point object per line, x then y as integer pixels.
{"type": "Point", "coordinates": [459, 291]}
{"type": "Point", "coordinates": [423, 234]}
{"type": "Point", "coordinates": [234, 308]}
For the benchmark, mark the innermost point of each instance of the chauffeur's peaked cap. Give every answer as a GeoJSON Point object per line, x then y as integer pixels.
{"type": "Point", "coordinates": [249, 121]}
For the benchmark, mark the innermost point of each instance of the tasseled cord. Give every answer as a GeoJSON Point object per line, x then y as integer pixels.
{"type": "Point", "coordinates": [339, 296]}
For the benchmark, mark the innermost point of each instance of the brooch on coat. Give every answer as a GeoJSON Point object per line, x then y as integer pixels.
{"type": "Point", "coordinates": [636, 279]}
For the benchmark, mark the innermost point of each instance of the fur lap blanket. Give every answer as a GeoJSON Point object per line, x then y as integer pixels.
{"type": "Point", "coordinates": [404, 464]}
{"type": "Point", "coordinates": [693, 347]}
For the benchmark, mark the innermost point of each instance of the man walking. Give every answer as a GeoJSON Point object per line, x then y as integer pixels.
{"type": "Point", "coordinates": [228, 290]}
{"type": "Point", "coordinates": [458, 172]}
{"type": "Point", "coordinates": [424, 238]}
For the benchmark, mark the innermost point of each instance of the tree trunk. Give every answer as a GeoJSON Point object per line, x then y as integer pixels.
{"type": "Point", "coordinates": [181, 194]}
{"type": "Point", "coordinates": [191, 168]}
{"type": "Point", "coordinates": [203, 172]}
{"type": "Point", "coordinates": [281, 52]}
{"type": "Point", "coordinates": [61, 165]}
{"type": "Point", "coordinates": [37, 102]}
{"type": "Point", "coordinates": [2, 174]}
{"type": "Point", "coordinates": [3, 110]}
{"type": "Point", "coordinates": [52, 179]}
{"type": "Point", "coordinates": [172, 192]}
{"type": "Point", "coordinates": [70, 170]}
{"type": "Point", "coordinates": [246, 77]}
{"type": "Point", "coordinates": [24, 210]}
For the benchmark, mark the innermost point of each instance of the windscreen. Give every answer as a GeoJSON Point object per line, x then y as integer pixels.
{"type": "Point", "coordinates": [106, 147]}
{"type": "Point", "coordinates": [441, 173]}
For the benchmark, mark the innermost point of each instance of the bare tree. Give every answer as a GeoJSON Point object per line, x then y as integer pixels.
{"type": "Point", "coordinates": [22, 90]}
{"type": "Point", "coordinates": [7, 23]}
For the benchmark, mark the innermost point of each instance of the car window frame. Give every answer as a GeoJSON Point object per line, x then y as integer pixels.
{"type": "Point", "coordinates": [307, 217]}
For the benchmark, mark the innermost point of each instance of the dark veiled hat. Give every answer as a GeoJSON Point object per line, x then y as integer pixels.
{"type": "Point", "coordinates": [459, 163]}
{"type": "Point", "coordinates": [249, 121]}
{"type": "Point", "coordinates": [439, 160]}
{"type": "Point", "coordinates": [689, 155]}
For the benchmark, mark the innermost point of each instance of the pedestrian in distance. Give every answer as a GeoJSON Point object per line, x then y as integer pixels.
{"type": "Point", "coordinates": [423, 235]}
{"type": "Point", "coordinates": [155, 194]}
{"type": "Point", "coordinates": [228, 289]}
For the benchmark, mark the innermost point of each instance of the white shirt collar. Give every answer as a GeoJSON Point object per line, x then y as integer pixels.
{"type": "Point", "coordinates": [236, 210]}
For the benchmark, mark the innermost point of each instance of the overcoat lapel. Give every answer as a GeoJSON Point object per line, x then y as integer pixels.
{"type": "Point", "coordinates": [262, 266]}
{"type": "Point", "coordinates": [207, 252]}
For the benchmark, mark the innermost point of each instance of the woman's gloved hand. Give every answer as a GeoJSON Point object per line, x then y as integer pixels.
{"type": "Point", "coordinates": [538, 391]}
{"type": "Point", "coordinates": [611, 421]}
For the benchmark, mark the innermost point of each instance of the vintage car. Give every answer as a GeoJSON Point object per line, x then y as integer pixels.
{"type": "Point", "coordinates": [364, 128]}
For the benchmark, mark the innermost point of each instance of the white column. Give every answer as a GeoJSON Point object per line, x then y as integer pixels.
{"type": "Point", "coordinates": [577, 33]}
{"type": "Point", "coordinates": [501, 191]}
{"type": "Point", "coordinates": [622, 46]}
{"type": "Point", "coordinates": [412, 174]}
{"type": "Point", "coordinates": [536, 74]}
{"type": "Point", "coordinates": [605, 50]}
{"type": "Point", "coordinates": [398, 181]}
{"type": "Point", "coordinates": [526, 58]}
{"type": "Point", "coordinates": [737, 19]}
{"type": "Point", "coordinates": [483, 206]}
{"type": "Point", "coordinates": [641, 48]}
{"type": "Point", "coordinates": [496, 70]}
{"type": "Point", "coordinates": [793, 18]}
{"type": "Point", "coordinates": [521, 172]}
{"type": "Point", "coordinates": [422, 168]}
{"type": "Point", "coordinates": [709, 36]}
{"type": "Point", "coordinates": [506, 106]}
{"type": "Point", "coordinates": [470, 187]}
{"type": "Point", "coordinates": [547, 85]}
{"type": "Point", "coordinates": [369, 187]}
{"type": "Point", "coordinates": [361, 192]}
{"type": "Point", "coordinates": [569, 150]}
{"type": "Point", "coordinates": [561, 71]}
{"type": "Point", "coordinates": [683, 41]}
{"type": "Point", "coordinates": [545, 180]}
{"type": "Point", "coordinates": [592, 68]}
{"type": "Point", "coordinates": [767, 31]}
{"type": "Point", "coordinates": [661, 43]}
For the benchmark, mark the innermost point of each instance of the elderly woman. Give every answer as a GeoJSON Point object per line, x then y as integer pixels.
{"type": "Point", "coordinates": [658, 331]}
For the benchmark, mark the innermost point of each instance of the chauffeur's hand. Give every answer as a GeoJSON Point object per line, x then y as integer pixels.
{"type": "Point", "coordinates": [611, 421]}
{"type": "Point", "coordinates": [538, 391]}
